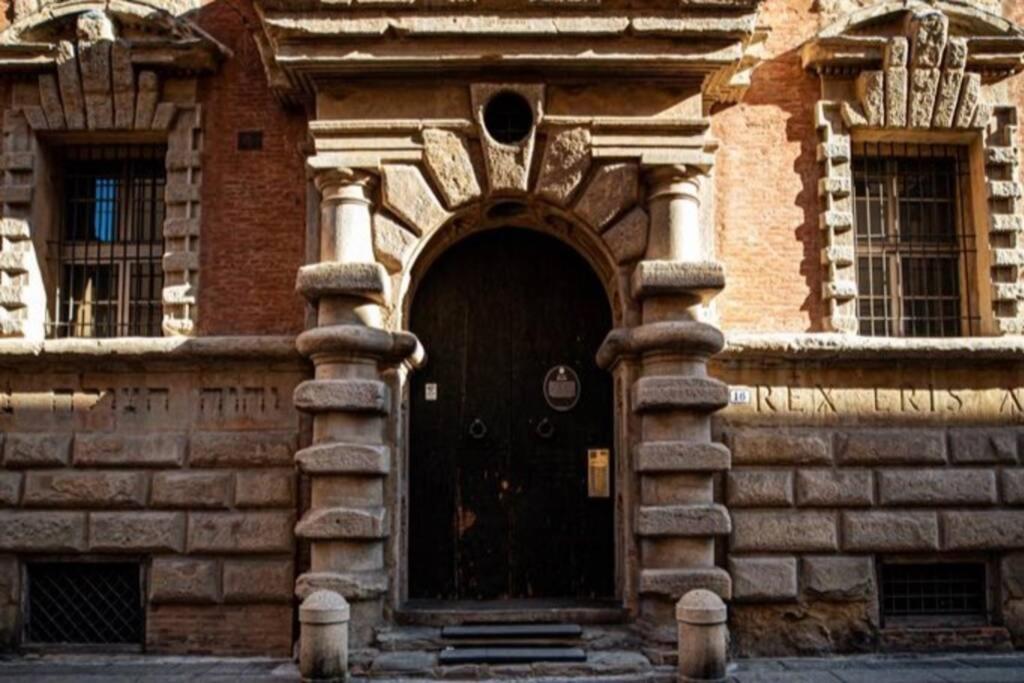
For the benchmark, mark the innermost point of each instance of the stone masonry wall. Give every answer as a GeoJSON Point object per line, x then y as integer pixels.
{"type": "Point", "coordinates": [836, 469]}
{"type": "Point", "coordinates": [185, 466]}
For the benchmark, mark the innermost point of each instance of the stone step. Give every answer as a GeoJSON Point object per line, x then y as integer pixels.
{"type": "Point", "coordinates": [593, 638]}
{"type": "Point", "coordinates": [512, 632]}
{"type": "Point", "coordinates": [509, 655]}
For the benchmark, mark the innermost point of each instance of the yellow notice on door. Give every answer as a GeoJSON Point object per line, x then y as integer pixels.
{"type": "Point", "coordinates": [598, 474]}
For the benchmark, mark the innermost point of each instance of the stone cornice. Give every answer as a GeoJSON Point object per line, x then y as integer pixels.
{"type": "Point", "coordinates": [16, 351]}
{"type": "Point", "coordinates": [743, 346]}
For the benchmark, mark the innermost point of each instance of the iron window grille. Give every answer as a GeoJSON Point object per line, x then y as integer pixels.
{"type": "Point", "coordinates": [934, 591]}
{"type": "Point", "coordinates": [109, 242]}
{"type": "Point", "coordinates": [84, 603]}
{"type": "Point", "coordinates": [915, 244]}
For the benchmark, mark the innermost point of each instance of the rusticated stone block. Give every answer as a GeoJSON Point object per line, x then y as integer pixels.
{"type": "Point", "coordinates": [681, 456]}
{"type": "Point", "coordinates": [37, 450]}
{"type": "Point", "coordinates": [42, 531]}
{"type": "Point", "coordinates": [251, 449]}
{"type": "Point", "coordinates": [983, 446]}
{"type": "Point", "coordinates": [890, 531]}
{"type": "Point", "coordinates": [344, 458]}
{"type": "Point", "coordinates": [137, 531]}
{"type": "Point", "coordinates": [612, 189]}
{"type": "Point", "coordinates": [784, 531]}
{"type": "Point", "coordinates": [366, 280]}
{"type": "Point", "coordinates": [1012, 571]}
{"type": "Point", "coordinates": [679, 393]}
{"type": "Point", "coordinates": [683, 520]}
{"type": "Point", "coordinates": [85, 489]}
{"type": "Point", "coordinates": [258, 580]}
{"type": "Point", "coordinates": [1013, 486]}
{"type": "Point", "coordinates": [249, 532]}
{"type": "Point", "coordinates": [890, 447]}
{"type": "Point", "coordinates": [839, 578]}
{"type": "Point", "coordinates": [983, 529]}
{"type": "Point", "coordinates": [627, 239]}
{"type": "Point", "coordinates": [191, 489]}
{"type": "Point", "coordinates": [181, 580]}
{"type": "Point", "coordinates": [565, 162]}
{"type": "Point", "coordinates": [763, 447]}
{"type": "Point", "coordinates": [675, 583]}
{"type": "Point", "coordinates": [760, 488]}
{"type": "Point", "coordinates": [834, 488]}
{"type": "Point", "coordinates": [10, 488]}
{"type": "Point", "coordinates": [267, 488]}
{"type": "Point", "coordinates": [408, 195]}
{"type": "Point", "coordinates": [353, 585]}
{"type": "Point", "coordinates": [937, 487]}
{"type": "Point", "coordinates": [346, 395]}
{"type": "Point", "coordinates": [763, 579]}
{"type": "Point", "coordinates": [118, 450]}
{"type": "Point", "coordinates": [338, 523]}
{"type": "Point", "coordinates": [447, 159]}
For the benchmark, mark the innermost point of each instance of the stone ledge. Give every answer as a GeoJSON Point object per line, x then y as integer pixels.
{"type": "Point", "coordinates": [154, 348]}
{"type": "Point", "coordinates": [674, 583]}
{"type": "Point", "coordinates": [832, 346]}
{"type": "Point", "coordinates": [667, 278]}
{"type": "Point", "coordinates": [365, 280]}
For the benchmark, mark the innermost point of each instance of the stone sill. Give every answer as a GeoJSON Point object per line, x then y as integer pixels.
{"type": "Point", "coordinates": [843, 347]}
{"type": "Point", "coordinates": [152, 348]}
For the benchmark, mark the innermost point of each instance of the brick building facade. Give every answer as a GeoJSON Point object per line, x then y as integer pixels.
{"type": "Point", "coordinates": [238, 246]}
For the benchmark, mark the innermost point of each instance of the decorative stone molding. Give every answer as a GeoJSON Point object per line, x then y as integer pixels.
{"type": "Point", "coordinates": [912, 68]}
{"type": "Point", "coordinates": [121, 72]}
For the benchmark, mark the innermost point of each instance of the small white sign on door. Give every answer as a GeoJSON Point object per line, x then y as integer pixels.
{"type": "Point", "coordinates": [430, 391]}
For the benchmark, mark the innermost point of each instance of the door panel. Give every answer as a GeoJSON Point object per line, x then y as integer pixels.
{"type": "Point", "coordinates": [498, 479]}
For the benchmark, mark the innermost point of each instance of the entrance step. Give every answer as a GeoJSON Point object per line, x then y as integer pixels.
{"type": "Point", "coordinates": [510, 655]}
{"type": "Point", "coordinates": [592, 638]}
{"type": "Point", "coordinates": [515, 631]}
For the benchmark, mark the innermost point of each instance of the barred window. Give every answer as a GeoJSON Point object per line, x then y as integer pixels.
{"type": "Point", "coordinates": [109, 241]}
{"type": "Point", "coordinates": [915, 246]}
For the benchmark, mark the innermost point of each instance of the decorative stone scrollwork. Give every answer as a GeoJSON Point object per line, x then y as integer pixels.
{"type": "Point", "coordinates": [913, 68]}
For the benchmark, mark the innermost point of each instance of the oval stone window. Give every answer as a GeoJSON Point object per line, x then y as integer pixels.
{"type": "Point", "coordinates": [508, 118]}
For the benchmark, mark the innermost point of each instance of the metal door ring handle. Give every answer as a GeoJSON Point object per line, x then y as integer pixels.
{"type": "Point", "coordinates": [477, 429]}
{"type": "Point", "coordinates": [545, 429]}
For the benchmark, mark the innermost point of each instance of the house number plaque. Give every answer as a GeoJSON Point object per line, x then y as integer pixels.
{"type": "Point", "coordinates": [562, 388]}
{"type": "Point", "coordinates": [598, 476]}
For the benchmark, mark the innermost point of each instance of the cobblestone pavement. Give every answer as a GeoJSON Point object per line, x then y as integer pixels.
{"type": "Point", "coordinates": [863, 669]}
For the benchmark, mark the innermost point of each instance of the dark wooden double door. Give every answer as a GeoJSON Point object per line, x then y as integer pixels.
{"type": "Point", "coordinates": [499, 505]}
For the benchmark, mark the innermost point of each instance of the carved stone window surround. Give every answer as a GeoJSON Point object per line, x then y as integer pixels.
{"type": "Point", "coordinates": [908, 72]}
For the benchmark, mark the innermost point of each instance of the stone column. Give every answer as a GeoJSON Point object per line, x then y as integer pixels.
{"type": "Point", "coordinates": [677, 521]}
{"type": "Point", "coordinates": [347, 523]}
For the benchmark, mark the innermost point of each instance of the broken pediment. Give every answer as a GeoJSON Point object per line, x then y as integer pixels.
{"type": "Point", "coordinates": [154, 37]}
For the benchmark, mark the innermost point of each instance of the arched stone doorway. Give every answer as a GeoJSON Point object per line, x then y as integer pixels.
{"type": "Point", "coordinates": [511, 434]}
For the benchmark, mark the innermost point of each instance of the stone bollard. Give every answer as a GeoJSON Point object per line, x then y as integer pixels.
{"type": "Point", "coordinates": [701, 616]}
{"type": "Point", "coordinates": [323, 640]}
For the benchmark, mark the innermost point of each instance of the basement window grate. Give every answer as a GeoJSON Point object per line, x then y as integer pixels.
{"type": "Point", "coordinates": [84, 603]}
{"type": "Point", "coordinates": [933, 590]}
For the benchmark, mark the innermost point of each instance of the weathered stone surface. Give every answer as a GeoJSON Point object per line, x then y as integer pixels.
{"type": "Point", "coordinates": [123, 84]}
{"type": "Point", "coordinates": [683, 393]}
{"type": "Point", "coordinates": [10, 488]}
{"type": "Point", "coordinates": [70, 86]}
{"type": "Point", "coordinates": [692, 279]}
{"type": "Point", "coordinates": [834, 488]}
{"type": "Point", "coordinates": [928, 31]}
{"type": "Point", "coordinates": [970, 98]}
{"type": "Point", "coordinates": [181, 580]}
{"type": "Point", "coordinates": [565, 163]}
{"type": "Point", "coordinates": [344, 458]}
{"type": "Point", "coordinates": [983, 529]}
{"type": "Point", "coordinates": [924, 88]}
{"type": "Point", "coordinates": [146, 99]}
{"type": "Point", "coordinates": [42, 531]}
{"type": "Point", "coordinates": [771, 447]}
{"type": "Point", "coordinates": [950, 83]}
{"type": "Point", "coordinates": [936, 487]}
{"type": "Point", "coordinates": [683, 520]}
{"type": "Point", "coordinates": [627, 239]}
{"type": "Point", "coordinates": [352, 585]}
{"type": "Point", "coordinates": [759, 488]}
{"type": "Point", "coordinates": [94, 64]}
{"type": "Point", "coordinates": [248, 532]}
{"type": "Point", "coordinates": [612, 189]}
{"type": "Point", "coordinates": [784, 531]}
{"type": "Point", "coordinates": [1013, 486]}
{"type": "Point", "coordinates": [37, 450]}
{"type": "Point", "coordinates": [326, 279]}
{"type": "Point", "coordinates": [447, 158]}
{"type": "Point", "coordinates": [407, 194]}
{"type": "Point", "coordinates": [265, 488]}
{"type": "Point", "coordinates": [838, 578]}
{"type": "Point", "coordinates": [896, 88]}
{"type": "Point", "coordinates": [49, 98]}
{"type": "Point", "coordinates": [675, 583]}
{"type": "Point", "coordinates": [191, 489]}
{"type": "Point", "coordinates": [337, 523]}
{"type": "Point", "coordinates": [890, 531]}
{"type": "Point", "coordinates": [870, 88]}
{"type": "Point", "coordinates": [253, 449]}
{"type": "Point", "coordinates": [392, 243]}
{"type": "Point", "coordinates": [137, 531]}
{"type": "Point", "coordinates": [890, 447]}
{"type": "Point", "coordinates": [681, 456]}
{"type": "Point", "coordinates": [983, 446]}
{"type": "Point", "coordinates": [258, 580]}
{"type": "Point", "coordinates": [768, 579]}
{"type": "Point", "coordinates": [346, 395]}
{"type": "Point", "coordinates": [85, 489]}
{"type": "Point", "coordinates": [1012, 571]}
{"type": "Point", "coordinates": [119, 450]}
{"type": "Point", "coordinates": [811, 628]}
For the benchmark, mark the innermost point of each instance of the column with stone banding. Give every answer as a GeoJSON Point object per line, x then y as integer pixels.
{"type": "Point", "coordinates": [677, 522]}
{"type": "Point", "coordinates": [349, 458]}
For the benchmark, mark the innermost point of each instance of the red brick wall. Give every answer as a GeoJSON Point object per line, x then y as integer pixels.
{"type": "Point", "coordinates": [254, 214]}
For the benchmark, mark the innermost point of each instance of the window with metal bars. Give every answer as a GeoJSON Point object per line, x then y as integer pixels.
{"type": "Point", "coordinates": [84, 603]}
{"type": "Point", "coordinates": [915, 244]}
{"type": "Point", "coordinates": [109, 241]}
{"type": "Point", "coordinates": [934, 591]}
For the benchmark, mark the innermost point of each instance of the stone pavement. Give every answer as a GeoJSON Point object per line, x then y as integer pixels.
{"type": "Point", "coordinates": [860, 669]}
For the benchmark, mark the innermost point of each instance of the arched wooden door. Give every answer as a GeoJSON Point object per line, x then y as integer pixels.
{"type": "Point", "coordinates": [508, 415]}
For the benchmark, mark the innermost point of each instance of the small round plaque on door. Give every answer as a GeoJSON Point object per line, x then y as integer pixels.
{"type": "Point", "coordinates": [562, 388]}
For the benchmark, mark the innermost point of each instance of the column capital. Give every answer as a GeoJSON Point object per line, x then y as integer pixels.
{"type": "Point", "coordinates": [345, 185]}
{"type": "Point", "coordinates": [674, 180]}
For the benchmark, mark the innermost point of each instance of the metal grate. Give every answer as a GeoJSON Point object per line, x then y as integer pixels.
{"type": "Point", "coordinates": [110, 241]}
{"type": "Point", "coordinates": [915, 246]}
{"type": "Point", "coordinates": [933, 590]}
{"type": "Point", "coordinates": [84, 603]}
